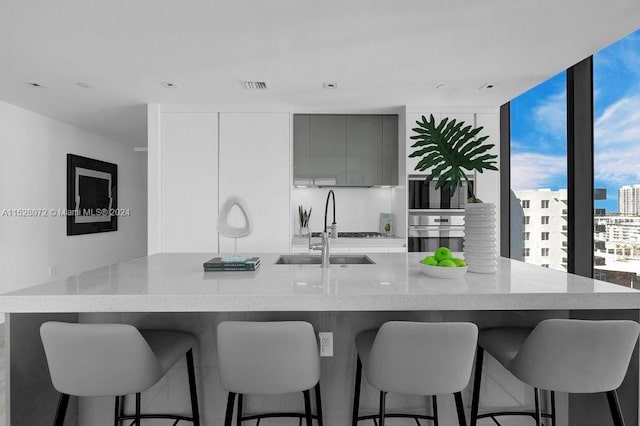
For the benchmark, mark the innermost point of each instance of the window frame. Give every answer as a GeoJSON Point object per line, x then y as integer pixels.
{"type": "Point", "coordinates": [580, 170]}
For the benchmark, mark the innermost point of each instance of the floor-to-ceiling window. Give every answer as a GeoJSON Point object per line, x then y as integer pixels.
{"type": "Point", "coordinates": [616, 80]}
{"type": "Point", "coordinates": [539, 174]}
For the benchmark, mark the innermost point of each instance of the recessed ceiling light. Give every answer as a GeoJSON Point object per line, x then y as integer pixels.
{"type": "Point", "coordinates": [168, 84]}
{"type": "Point", "coordinates": [487, 86]}
{"type": "Point", "coordinates": [35, 84]}
{"type": "Point", "coordinates": [254, 85]}
{"type": "Point", "coordinates": [83, 85]}
{"type": "Point", "coordinates": [330, 85]}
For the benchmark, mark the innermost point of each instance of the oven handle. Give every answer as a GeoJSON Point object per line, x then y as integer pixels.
{"type": "Point", "coordinates": [428, 234]}
{"type": "Point", "coordinates": [436, 228]}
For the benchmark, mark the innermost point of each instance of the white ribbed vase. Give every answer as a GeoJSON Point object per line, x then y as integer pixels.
{"type": "Point", "coordinates": [480, 251]}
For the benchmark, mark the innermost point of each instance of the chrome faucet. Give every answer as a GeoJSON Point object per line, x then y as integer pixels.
{"type": "Point", "coordinates": [323, 246]}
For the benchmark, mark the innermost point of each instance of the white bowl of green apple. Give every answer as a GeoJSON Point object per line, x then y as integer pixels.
{"type": "Point", "coordinates": [442, 264]}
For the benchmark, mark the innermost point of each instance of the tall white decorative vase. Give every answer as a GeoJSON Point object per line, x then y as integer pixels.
{"type": "Point", "coordinates": [480, 248]}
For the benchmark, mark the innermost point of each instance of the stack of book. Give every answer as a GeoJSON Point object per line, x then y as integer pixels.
{"type": "Point", "coordinates": [232, 263]}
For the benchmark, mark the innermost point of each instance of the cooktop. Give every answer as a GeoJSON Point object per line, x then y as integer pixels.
{"type": "Point", "coordinates": [352, 234]}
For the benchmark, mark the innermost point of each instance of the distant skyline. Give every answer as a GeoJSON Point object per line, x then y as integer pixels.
{"type": "Point", "coordinates": [539, 132]}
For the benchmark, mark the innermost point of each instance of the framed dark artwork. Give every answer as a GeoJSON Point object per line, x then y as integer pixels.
{"type": "Point", "coordinates": [92, 195]}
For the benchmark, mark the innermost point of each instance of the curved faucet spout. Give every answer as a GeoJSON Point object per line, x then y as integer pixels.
{"type": "Point", "coordinates": [326, 209]}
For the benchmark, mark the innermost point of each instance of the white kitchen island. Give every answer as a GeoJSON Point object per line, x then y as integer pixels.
{"type": "Point", "coordinates": [171, 290]}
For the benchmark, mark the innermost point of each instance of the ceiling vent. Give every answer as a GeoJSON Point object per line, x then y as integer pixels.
{"type": "Point", "coordinates": [254, 85]}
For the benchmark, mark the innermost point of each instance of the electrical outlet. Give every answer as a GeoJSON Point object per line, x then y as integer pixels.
{"type": "Point", "coordinates": [326, 344]}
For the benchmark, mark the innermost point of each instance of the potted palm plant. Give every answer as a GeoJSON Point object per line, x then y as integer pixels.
{"type": "Point", "coordinates": [449, 150]}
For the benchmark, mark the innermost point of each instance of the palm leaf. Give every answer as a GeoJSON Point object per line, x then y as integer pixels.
{"type": "Point", "coordinates": [448, 150]}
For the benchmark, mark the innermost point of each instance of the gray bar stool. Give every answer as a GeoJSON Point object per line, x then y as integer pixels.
{"type": "Point", "coordinates": [114, 360]}
{"type": "Point", "coordinates": [269, 358]}
{"type": "Point", "coordinates": [415, 358]}
{"type": "Point", "coordinates": [560, 355]}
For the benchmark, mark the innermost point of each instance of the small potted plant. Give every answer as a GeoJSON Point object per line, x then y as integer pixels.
{"type": "Point", "coordinates": [303, 219]}
{"type": "Point", "coordinates": [450, 149]}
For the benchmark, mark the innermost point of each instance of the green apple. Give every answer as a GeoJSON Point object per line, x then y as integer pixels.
{"type": "Point", "coordinates": [430, 260]}
{"type": "Point", "coordinates": [448, 263]}
{"type": "Point", "coordinates": [442, 253]}
{"type": "Point", "coordinates": [459, 262]}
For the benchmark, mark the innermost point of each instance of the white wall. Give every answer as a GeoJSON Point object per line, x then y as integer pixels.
{"type": "Point", "coordinates": [224, 150]}
{"type": "Point", "coordinates": [33, 170]}
{"type": "Point", "coordinates": [255, 165]}
{"type": "Point", "coordinates": [189, 185]}
{"type": "Point", "coordinates": [357, 209]}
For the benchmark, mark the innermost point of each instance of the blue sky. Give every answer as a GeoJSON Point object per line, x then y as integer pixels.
{"type": "Point", "coordinates": [539, 133]}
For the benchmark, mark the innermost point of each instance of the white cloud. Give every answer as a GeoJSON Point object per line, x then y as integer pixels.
{"type": "Point", "coordinates": [619, 124]}
{"type": "Point", "coordinates": [617, 142]}
{"type": "Point", "coordinates": [533, 171]}
{"type": "Point", "coordinates": [550, 115]}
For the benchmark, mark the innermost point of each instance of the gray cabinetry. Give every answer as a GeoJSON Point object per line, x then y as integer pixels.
{"type": "Point", "coordinates": [389, 149]}
{"type": "Point", "coordinates": [301, 150]}
{"type": "Point", "coordinates": [327, 148]}
{"type": "Point", "coordinates": [364, 150]}
{"type": "Point", "coordinates": [345, 150]}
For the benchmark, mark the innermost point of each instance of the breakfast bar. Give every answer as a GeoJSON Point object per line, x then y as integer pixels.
{"type": "Point", "coordinates": [171, 290]}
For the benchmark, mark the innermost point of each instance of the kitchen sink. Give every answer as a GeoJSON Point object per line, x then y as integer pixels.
{"type": "Point", "coordinates": [338, 259]}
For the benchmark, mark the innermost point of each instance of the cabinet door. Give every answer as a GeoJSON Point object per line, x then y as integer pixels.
{"type": "Point", "coordinates": [301, 150]}
{"type": "Point", "coordinates": [389, 149]}
{"type": "Point", "coordinates": [364, 150]}
{"type": "Point", "coordinates": [189, 187]}
{"type": "Point", "coordinates": [327, 149]}
{"type": "Point", "coordinates": [255, 166]}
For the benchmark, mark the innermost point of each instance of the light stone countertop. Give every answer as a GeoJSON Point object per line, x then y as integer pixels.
{"type": "Point", "coordinates": [173, 282]}
{"type": "Point", "coordinates": [300, 241]}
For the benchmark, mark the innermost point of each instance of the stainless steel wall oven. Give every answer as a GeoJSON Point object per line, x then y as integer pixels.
{"type": "Point", "coordinates": [436, 218]}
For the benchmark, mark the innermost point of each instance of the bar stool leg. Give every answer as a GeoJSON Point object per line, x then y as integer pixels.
{"type": "Point", "coordinates": [614, 406]}
{"type": "Point", "coordinates": [116, 414]}
{"type": "Point", "coordinates": [319, 404]}
{"type": "Point", "coordinates": [240, 409]}
{"type": "Point", "coordinates": [195, 413]}
{"type": "Point", "coordinates": [63, 402]}
{"type": "Point", "coordinates": [477, 376]}
{"type": "Point", "coordinates": [536, 394]}
{"type": "Point", "coordinates": [383, 400]}
{"type": "Point", "coordinates": [228, 417]}
{"type": "Point", "coordinates": [307, 407]}
{"type": "Point", "coordinates": [356, 393]}
{"type": "Point", "coordinates": [434, 404]}
{"type": "Point", "coordinates": [460, 408]}
{"type": "Point", "coordinates": [553, 408]}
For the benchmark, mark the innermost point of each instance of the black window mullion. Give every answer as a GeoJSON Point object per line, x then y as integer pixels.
{"type": "Point", "coordinates": [580, 168]}
{"type": "Point", "coordinates": [505, 180]}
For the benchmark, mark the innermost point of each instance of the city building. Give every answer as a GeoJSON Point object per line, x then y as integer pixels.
{"type": "Point", "coordinates": [544, 227]}
{"type": "Point", "coordinates": [617, 248]}
{"type": "Point", "coordinates": [629, 200]}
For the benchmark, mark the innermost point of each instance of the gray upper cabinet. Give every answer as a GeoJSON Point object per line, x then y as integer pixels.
{"type": "Point", "coordinates": [389, 149]}
{"type": "Point", "coordinates": [345, 150]}
{"type": "Point", "coordinates": [301, 150]}
{"type": "Point", "coordinates": [364, 150]}
{"type": "Point", "coordinates": [327, 147]}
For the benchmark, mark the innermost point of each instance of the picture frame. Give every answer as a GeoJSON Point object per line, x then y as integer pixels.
{"type": "Point", "coordinates": [92, 195]}
{"type": "Point", "coordinates": [386, 224]}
